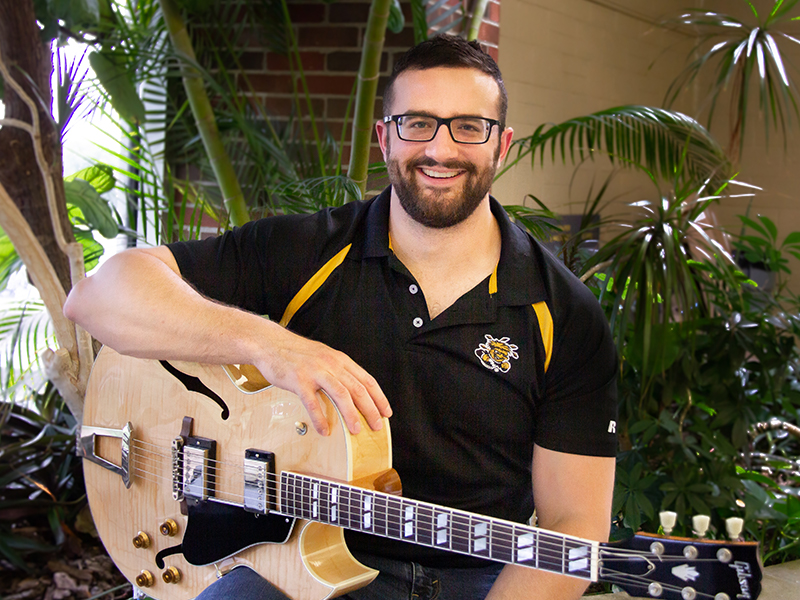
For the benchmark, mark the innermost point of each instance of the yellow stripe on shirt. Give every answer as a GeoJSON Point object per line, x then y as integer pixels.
{"type": "Point", "coordinates": [546, 328]}
{"type": "Point", "coordinates": [313, 284]}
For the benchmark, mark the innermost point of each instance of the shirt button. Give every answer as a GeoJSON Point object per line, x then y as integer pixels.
{"type": "Point", "coordinates": [418, 323]}
{"type": "Point", "coordinates": [413, 289]}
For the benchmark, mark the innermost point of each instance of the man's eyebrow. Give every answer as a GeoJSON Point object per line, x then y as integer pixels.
{"type": "Point", "coordinates": [426, 113]}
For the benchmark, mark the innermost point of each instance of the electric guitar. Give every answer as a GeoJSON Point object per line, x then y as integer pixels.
{"type": "Point", "coordinates": [192, 470]}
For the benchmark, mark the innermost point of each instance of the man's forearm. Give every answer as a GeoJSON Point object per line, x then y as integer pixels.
{"type": "Point", "coordinates": [522, 583]}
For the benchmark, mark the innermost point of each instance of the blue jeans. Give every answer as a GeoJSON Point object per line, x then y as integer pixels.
{"type": "Point", "coordinates": [397, 581]}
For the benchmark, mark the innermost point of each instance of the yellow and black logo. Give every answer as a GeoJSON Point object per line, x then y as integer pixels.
{"type": "Point", "coordinates": [496, 354]}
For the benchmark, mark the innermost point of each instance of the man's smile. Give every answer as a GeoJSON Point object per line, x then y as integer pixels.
{"type": "Point", "coordinates": [439, 174]}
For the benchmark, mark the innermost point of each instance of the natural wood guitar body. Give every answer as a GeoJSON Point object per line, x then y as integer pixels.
{"type": "Point", "coordinates": [313, 564]}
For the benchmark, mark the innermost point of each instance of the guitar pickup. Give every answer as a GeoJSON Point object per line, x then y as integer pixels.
{"type": "Point", "coordinates": [259, 481]}
{"type": "Point", "coordinates": [199, 479]}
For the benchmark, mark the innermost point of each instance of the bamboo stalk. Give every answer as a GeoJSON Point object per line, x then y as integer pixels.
{"type": "Point", "coordinates": [368, 74]}
{"type": "Point", "coordinates": [204, 115]}
{"type": "Point", "coordinates": [476, 19]}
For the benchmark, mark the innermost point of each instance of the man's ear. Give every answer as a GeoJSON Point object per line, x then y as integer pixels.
{"type": "Point", "coordinates": [505, 144]}
{"type": "Point", "coordinates": [382, 130]}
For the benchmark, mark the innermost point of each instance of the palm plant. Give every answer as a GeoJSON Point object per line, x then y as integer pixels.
{"type": "Point", "coordinates": [742, 55]}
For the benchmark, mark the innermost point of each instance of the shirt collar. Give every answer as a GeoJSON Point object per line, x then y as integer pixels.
{"type": "Point", "coordinates": [519, 279]}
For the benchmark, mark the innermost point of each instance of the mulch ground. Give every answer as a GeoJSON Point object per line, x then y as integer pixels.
{"type": "Point", "coordinates": [80, 570]}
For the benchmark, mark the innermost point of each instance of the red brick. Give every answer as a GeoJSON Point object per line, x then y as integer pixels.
{"type": "Point", "coordinates": [494, 53]}
{"type": "Point", "coordinates": [404, 39]}
{"type": "Point", "coordinates": [330, 84]}
{"type": "Point", "coordinates": [307, 13]}
{"type": "Point", "coordinates": [333, 37]}
{"type": "Point", "coordinates": [252, 61]}
{"type": "Point", "coordinates": [350, 61]}
{"type": "Point", "coordinates": [489, 33]}
{"type": "Point", "coordinates": [348, 12]}
{"type": "Point", "coordinates": [493, 12]}
{"type": "Point", "coordinates": [312, 61]}
{"type": "Point", "coordinates": [265, 83]}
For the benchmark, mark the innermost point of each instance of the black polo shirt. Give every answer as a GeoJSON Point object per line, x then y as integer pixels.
{"type": "Point", "coordinates": [524, 357]}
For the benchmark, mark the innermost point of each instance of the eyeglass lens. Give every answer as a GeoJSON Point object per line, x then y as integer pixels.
{"type": "Point", "coordinates": [469, 130]}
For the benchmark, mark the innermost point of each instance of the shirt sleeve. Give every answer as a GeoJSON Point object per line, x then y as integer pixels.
{"type": "Point", "coordinates": [578, 413]}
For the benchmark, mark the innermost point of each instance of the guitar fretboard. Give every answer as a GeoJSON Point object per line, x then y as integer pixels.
{"type": "Point", "coordinates": [435, 526]}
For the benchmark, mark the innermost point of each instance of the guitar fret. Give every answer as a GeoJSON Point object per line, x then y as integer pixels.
{"type": "Point", "coordinates": [434, 526]}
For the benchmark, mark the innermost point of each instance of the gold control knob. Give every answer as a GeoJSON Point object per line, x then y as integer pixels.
{"type": "Point", "coordinates": [171, 575]}
{"type": "Point", "coordinates": [142, 540]}
{"type": "Point", "coordinates": [168, 527]}
{"type": "Point", "coordinates": [144, 579]}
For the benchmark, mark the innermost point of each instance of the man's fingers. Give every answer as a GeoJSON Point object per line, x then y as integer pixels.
{"type": "Point", "coordinates": [309, 399]}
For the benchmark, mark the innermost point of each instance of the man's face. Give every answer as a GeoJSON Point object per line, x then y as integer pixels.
{"type": "Point", "coordinates": [441, 182]}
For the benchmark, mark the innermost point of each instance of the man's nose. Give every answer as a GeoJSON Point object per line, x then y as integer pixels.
{"type": "Point", "coordinates": [442, 146]}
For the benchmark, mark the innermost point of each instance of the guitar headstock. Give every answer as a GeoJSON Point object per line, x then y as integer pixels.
{"type": "Point", "coordinates": [652, 566]}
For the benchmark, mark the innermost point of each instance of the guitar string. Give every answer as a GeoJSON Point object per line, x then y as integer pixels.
{"type": "Point", "coordinates": [608, 575]}
{"type": "Point", "coordinates": [396, 521]}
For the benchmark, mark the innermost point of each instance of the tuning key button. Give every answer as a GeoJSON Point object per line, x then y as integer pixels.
{"type": "Point", "coordinates": [690, 552]}
{"type": "Point", "coordinates": [734, 525]}
{"type": "Point", "coordinates": [688, 593]}
{"type": "Point", "coordinates": [655, 589]}
{"type": "Point", "coordinates": [657, 548]}
{"type": "Point", "coordinates": [700, 525]}
{"type": "Point", "coordinates": [724, 555]}
{"type": "Point", "coordinates": [667, 518]}
{"type": "Point", "coordinates": [722, 596]}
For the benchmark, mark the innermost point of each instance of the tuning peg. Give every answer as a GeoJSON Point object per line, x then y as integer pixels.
{"type": "Point", "coordinates": [734, 526]}
{"type": "Point", "coordinates": [700, 525]}
{"type": "Point", "coordinates": [667, 518]}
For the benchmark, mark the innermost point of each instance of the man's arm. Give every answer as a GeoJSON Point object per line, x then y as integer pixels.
{"type": "Point", "coordinates": [573, 495]}
{"type": "Point", "coordinates": [138, 304]}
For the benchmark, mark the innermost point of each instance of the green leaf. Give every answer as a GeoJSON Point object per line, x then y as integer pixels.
{"type": "Point", "coordinates": [100, 176]}
{"type": "Point", "coordinates": [770, 226]}
{"type": "Point", "coordinates": [95, 209]}
{"type": "Point", "coordinates": [397, 20]}
{"type": "Point", "coordinates": [419, 20]}
{"type": "Point", "coordinates": [119, 86]}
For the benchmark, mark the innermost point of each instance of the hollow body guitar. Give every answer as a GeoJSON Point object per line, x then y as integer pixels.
{"type": "Point", "coordinates": [192, 470]}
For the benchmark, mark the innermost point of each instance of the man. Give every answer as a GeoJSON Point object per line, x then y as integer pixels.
{"type": "Point", "coordinates": [498, 363]}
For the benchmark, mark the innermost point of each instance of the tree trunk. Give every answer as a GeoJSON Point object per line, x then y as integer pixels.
{"type": "Point", "coordinates": [29, 61]}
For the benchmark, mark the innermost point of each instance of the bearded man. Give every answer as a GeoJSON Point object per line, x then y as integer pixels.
{"type": "Point", "coordinates": [426, 303]}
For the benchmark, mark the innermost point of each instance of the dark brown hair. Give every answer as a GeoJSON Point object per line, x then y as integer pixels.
{"type": "Point", "coordinates": [447, 51]}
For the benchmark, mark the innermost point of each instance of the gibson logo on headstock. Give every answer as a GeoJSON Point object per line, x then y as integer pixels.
{"type": "Point", "coordinates": [743, 574]}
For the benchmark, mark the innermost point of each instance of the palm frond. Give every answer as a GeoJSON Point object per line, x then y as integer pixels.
{"type": "Point", "coordinates": [664, 143]}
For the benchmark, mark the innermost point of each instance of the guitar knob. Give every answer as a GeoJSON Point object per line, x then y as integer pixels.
{"type": "Point", "coordinates": [168, 528]}
{"type": "Point", "coordinates": [171, 575]}
{"type": "Point", "coordinates": [734, 525]}
{"type": "Point", "coordinates": [142, 540]}
{"type": "Point", "coordinates": [144, 579]}
{"type": "Point", "coordinates": [688, 593]}
{"type": "Point", "coordinates": [667, 518]}
{"type": "Point", "coordinates": [700, 525]}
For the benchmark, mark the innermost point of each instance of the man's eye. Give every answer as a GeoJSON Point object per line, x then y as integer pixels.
{"type": "Point", "coordinates": [418, 124]}
{"type": "Point", "coordinates": [470, 126]}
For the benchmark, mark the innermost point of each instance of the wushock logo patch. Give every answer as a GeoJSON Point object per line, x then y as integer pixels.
{"type": "Point", "coordinates": [496, 354]}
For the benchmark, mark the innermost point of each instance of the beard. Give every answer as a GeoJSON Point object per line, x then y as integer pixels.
{"type": "Point", "coordinates": [436, 208]}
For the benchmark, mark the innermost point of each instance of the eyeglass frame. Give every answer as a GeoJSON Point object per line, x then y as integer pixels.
{"type": "Point", "coordinates": [439, 122]}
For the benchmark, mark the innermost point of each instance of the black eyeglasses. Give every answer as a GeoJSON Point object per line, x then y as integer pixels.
{"type": "Point", "coordinates": [464, 130]}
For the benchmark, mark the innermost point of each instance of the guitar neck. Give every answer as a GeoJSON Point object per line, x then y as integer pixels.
{"type": "Point", "coordinates": [425, 524]}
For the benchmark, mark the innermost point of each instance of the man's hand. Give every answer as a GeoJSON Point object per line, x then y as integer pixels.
{"type": "Point", "coordinates": [304, 366]}
{"type": "Point", "coordinates": [138, 304]}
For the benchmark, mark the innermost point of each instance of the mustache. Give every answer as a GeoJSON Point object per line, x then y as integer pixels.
{"type": "Point", "coordinates": [426, 161]}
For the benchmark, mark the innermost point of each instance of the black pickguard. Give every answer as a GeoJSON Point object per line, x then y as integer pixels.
{"type": "Point", "coordinates": [215, 531]}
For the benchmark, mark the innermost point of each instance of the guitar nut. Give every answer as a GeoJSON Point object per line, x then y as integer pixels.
{"type": "Point", "coordinates": [168, 528]}
{"type": "Point", "coordinates": [171, 575]}
{"type": "Point", "coordinates": [142, 540]}
{"type": "Point", "coordinates": [144, 579]}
